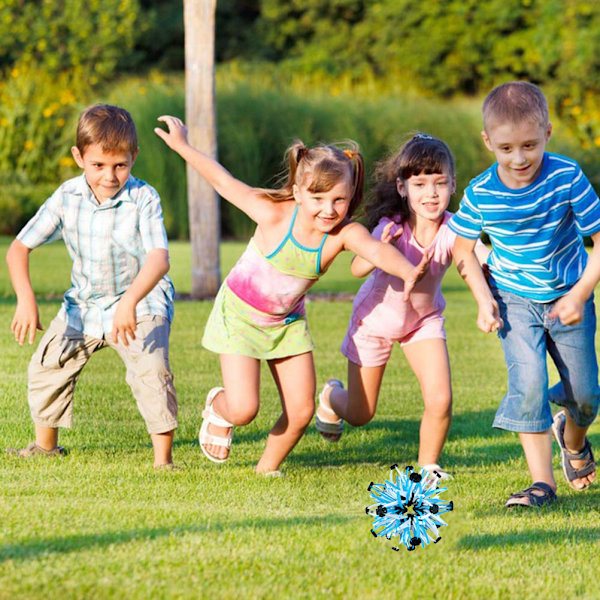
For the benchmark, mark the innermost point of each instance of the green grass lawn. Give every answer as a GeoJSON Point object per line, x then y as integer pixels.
{"type": "Point", "coordinates": [100, 523]}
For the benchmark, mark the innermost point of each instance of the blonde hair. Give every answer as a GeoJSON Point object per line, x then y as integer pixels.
{"type": "Point", "coordinates": [111, 127]}
{"type": "Point", "coordinates": [321, 168]}
{"type": "Point", "coordinates": [515, 102]}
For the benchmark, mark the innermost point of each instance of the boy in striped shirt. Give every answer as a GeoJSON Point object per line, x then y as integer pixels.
{"type": "Point", "coordinates": [120, 295]}
{"type": "Point", "coordinates": [536, 207]}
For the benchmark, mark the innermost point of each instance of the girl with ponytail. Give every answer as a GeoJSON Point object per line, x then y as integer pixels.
{"type": "Point", "coordinates": [259, 312]}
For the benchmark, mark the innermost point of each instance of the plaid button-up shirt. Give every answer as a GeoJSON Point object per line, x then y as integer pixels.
{"type": "Point", "coordinates": [107, 243]}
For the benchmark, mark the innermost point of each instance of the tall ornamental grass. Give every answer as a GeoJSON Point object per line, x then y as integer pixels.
{"type": "Point", "coordinates": [256, 125]}
{"type": "Point", "coordinates": [258, 118]}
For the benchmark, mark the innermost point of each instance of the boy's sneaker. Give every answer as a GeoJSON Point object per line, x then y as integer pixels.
{"type": "Point", "coordinates": [34, 450]}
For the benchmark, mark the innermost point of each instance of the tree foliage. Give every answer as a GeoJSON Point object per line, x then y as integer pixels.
{"type": "Point", "coordinates": [448, 47]}
{"type": "Point", "coordinates": [95, 35]}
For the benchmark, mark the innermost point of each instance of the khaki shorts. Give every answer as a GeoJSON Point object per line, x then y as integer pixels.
{"type": "Point", "coordinates": [64, 351]}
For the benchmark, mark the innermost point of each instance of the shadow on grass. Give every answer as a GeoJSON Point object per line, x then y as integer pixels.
{"type": "Point", "coordinates": [75, 543]}
{"type": "Point", "coordinates": [528, 537]}
{"type": "Point", "coordinates": [569, 503]}
{"type": "Point", "coordinates": [385, 440]}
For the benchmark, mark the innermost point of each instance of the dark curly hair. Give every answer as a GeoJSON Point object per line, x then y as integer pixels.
{"type": "Point", "coordinates": [422, 153]}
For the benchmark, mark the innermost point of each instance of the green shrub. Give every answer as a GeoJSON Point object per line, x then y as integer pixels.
{"type": "Point", "coordinates": [19, 200]}
{"type": "Point", "coordinates": [256, 123]}
{"type": "Point", "coordinates": [61, 35]}
{"type": "Point", "coordinates": [146, 98]}
{"type": "Point", "coordinates": [38, 113]}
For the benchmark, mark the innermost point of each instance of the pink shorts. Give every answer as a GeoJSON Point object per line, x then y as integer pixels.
{"type": "Point", "coordinates": [368, 350]}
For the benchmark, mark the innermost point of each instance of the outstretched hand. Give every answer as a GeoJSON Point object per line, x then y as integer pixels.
{"type": "Point", "coordinates": [387, 236]}
{"type": "Point", "coordinates": [176, 134]}
{"type": "Point", "coordinates": [417, 274]}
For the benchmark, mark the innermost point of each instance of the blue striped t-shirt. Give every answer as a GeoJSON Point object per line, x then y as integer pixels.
{"type": "Point", "coordinates": [537, 231]}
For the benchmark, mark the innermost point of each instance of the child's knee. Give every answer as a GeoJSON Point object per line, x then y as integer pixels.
{"type": "Point", "coordinates": [242, 414]}
{"type": "Point", "coordinates": [361, 418]}
{"type": "Point", "coordinates": [439, 406]}
{"type": "Point", "coordinates": [587, 407]}
{"type": "Point", "coordinates": [302, 415]}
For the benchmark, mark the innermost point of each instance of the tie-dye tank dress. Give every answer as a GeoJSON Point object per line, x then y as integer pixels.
{"type": "Point", "coordinates": [259, 310]}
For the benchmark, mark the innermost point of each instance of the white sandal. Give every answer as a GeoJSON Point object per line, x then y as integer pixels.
{"type": "Point", "coordinates": [436, 473]}
{"type": "Point", "coordinates": [325, 428]}
{"type": "Point", "coordinates": [210, 417]}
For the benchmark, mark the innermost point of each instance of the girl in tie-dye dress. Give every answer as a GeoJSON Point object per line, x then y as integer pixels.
{"type": "Point", "coordinates": [259, 310]}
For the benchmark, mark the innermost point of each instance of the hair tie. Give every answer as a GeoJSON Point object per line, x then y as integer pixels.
{"type": "Point", "coordinates": [423, 136]}
{"type": "Point", "coordinates": [349, 153]}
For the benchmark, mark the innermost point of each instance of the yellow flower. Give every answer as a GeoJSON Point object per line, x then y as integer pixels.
{"type": "Point", "coordinates": [15, 73]}
{"type": "Point", "coordinates": [597, 141]}
{"type": "Point", "coordinates": [66, 161]}
{"type": "Point", "coordinates": [576, 110]}
{"type": "Point", "coordinates": [61, 122]}
{"type": "Point", "coordinates": [47, 112]}
{"type": "Point", "coordinates": [29, 145]}
{"type": "Point", "coordinates": [142, 90]}
{"type": "Point", "coordinates": [67, 97]}
{"type": "Point", "coordinates": [4, 121]}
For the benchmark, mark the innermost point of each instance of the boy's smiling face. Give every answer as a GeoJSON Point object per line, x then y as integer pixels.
{"type": "Point", "coordinates": [519, 150]}
{"type": "Point", "coordinates": [105, 172]}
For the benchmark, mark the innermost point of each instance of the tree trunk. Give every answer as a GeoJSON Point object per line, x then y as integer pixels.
{"type": "Point", "coordinates": [203, 202]}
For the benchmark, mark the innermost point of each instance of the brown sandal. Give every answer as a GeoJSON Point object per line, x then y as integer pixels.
{"type": "Point", "coordinates": [548, 496]}
{"type": "Point", "coordinates": [34, 450]}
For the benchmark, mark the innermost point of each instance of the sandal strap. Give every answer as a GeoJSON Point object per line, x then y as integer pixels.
{"type": "Point", "coordinates": [326, 409]}
{"type": "Point", "coordinates": [216, 440]}
{"type": "Point", "coordinates": [329, 384]}
{"type": "Point", "coordinates": [571, 473]}
{"type": "Point", "coordinates": [589, 466]}
{"type": "Point", "coordinates": [213, 418]}
{"type": "Point", "coordinates": [548, 495]}
{"type": "Point", "coordinates": [587, 449]}
{"type": "Point", "coordinates": [327, 427]}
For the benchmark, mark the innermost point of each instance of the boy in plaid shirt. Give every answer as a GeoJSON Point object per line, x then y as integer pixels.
{"type": "Point", "coordinates": [120, 295]}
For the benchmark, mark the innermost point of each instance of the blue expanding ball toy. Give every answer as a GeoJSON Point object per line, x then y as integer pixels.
{"type": "Point", "coordinates": [410, 507]}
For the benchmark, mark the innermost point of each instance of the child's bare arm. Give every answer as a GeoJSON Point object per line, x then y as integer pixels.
{"type": "Point", "coordinates": [361, 267]}
{"type": "Point", "coordinates": [481, 252]}
{"type": "Point", "coordinates": [384, 256]}
{"type": "Point", "coordinates": [569, 309]}
{"type": "Point", "coordinates": [27, 318]}
{"type": "Point", "coordinates": [124, 323]}
{"type": "Point", "coordinates": [468, 266]}
{"type": "Point", "coordinates": [225, 184]}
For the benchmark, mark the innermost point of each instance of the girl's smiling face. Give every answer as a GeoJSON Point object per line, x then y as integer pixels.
{"type": "Point", "coordinates": [327, 209]}
{"type": "Point", "coordinates": [428, 194]}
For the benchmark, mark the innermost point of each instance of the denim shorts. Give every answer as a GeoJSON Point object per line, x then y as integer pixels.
{"type": "Point", "coordinates": [527, 335]}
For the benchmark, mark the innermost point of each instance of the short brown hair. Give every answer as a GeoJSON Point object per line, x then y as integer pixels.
{"type": "Point", "coordinates": [111, 127]}
{"type": "Point", "coordinates": [515, 102]}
